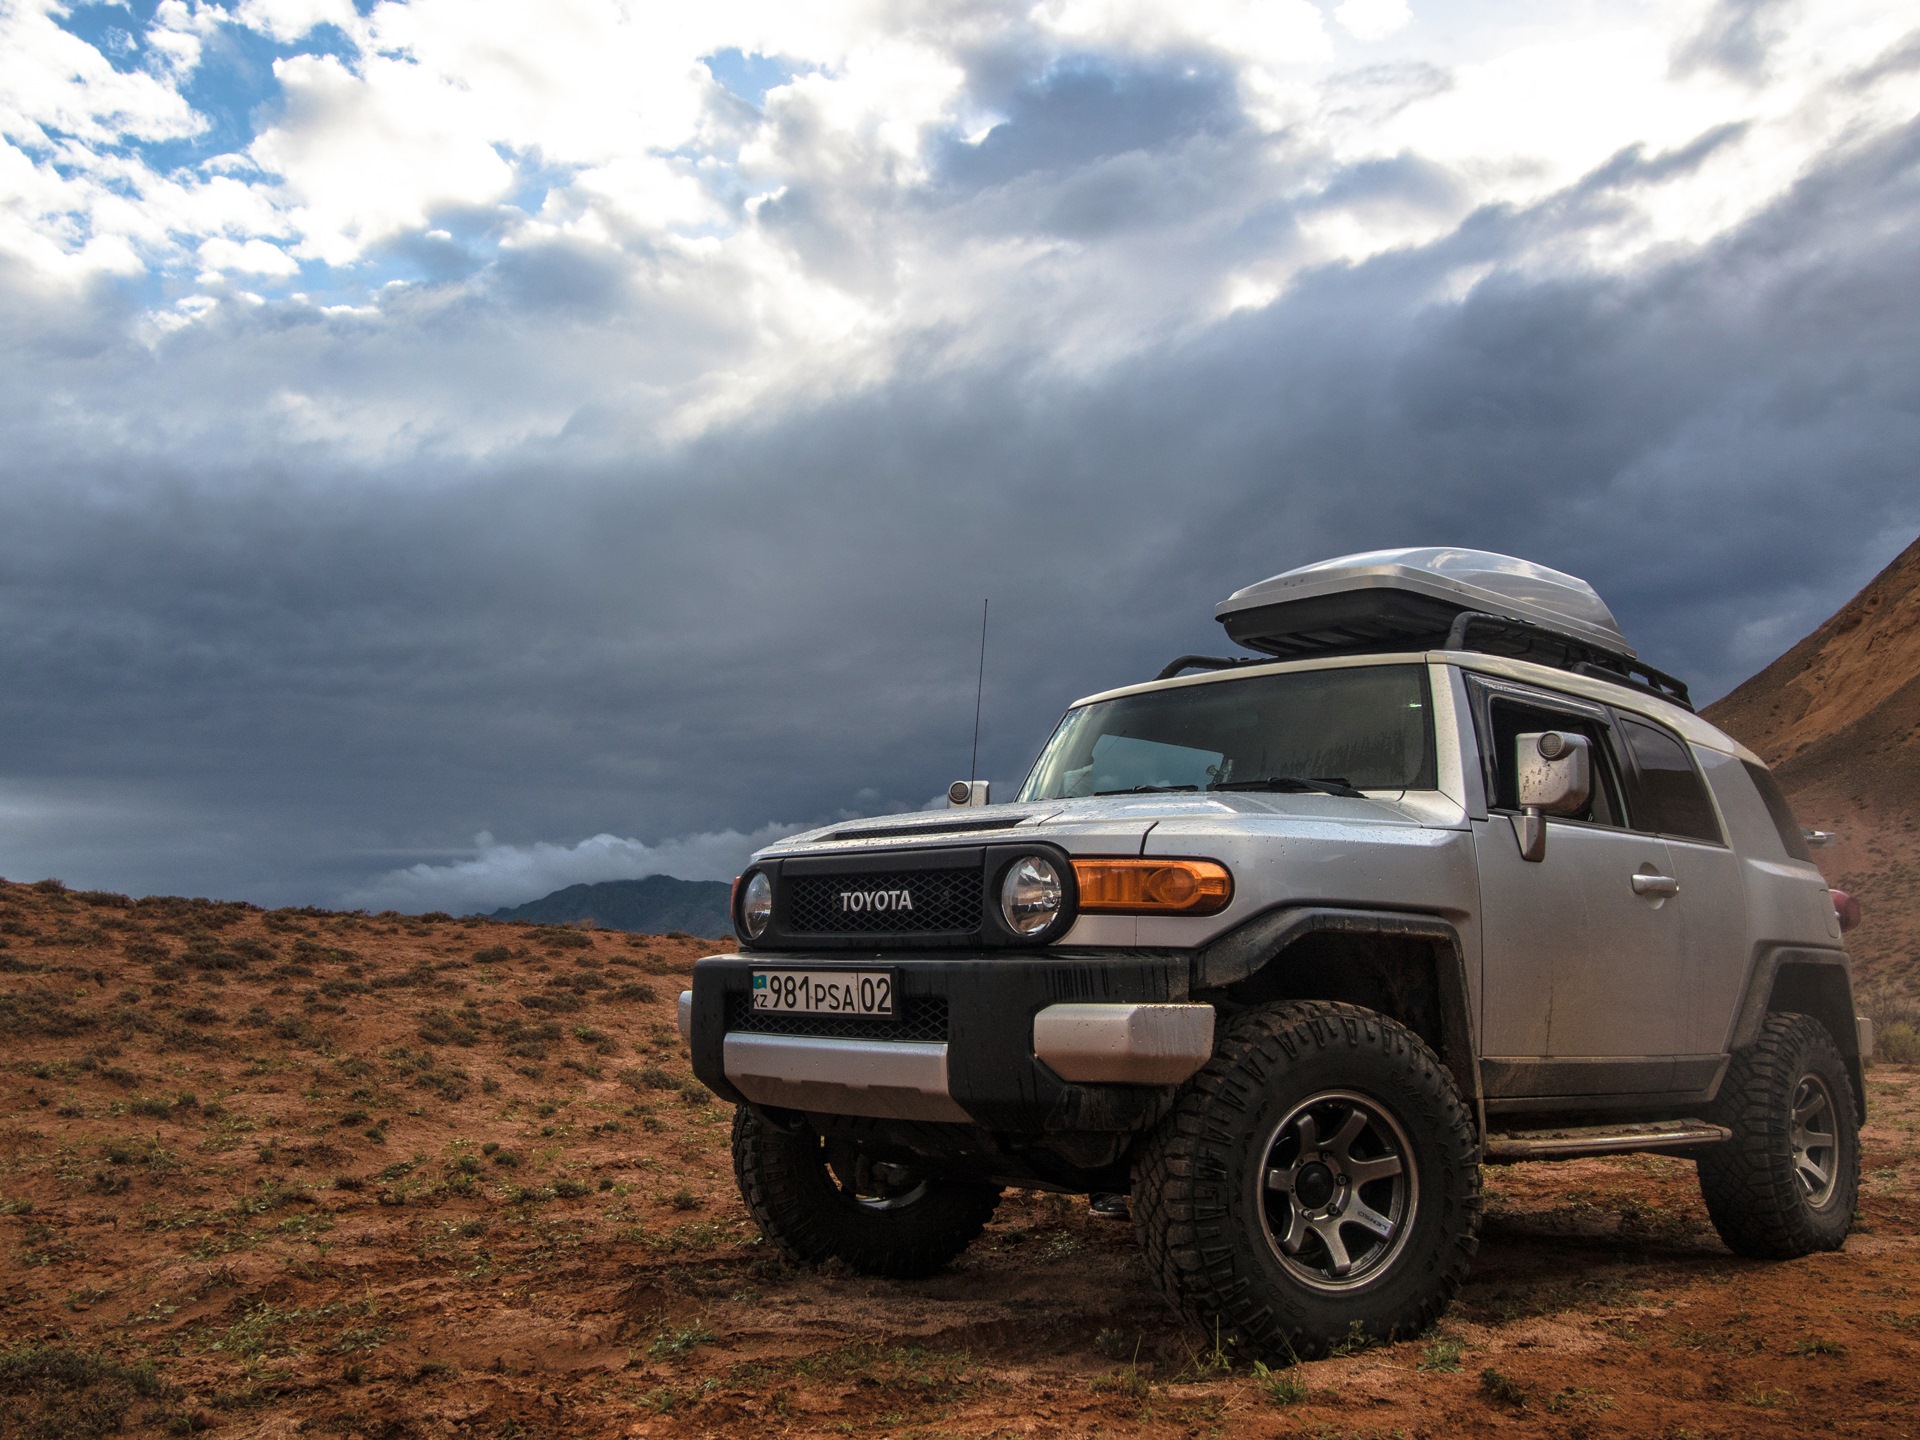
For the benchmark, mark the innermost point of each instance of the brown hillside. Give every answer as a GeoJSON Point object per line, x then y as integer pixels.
{"type": "Point", "coordinates": [1838, 717]}
{"type": "Point", "coordinates": [275, 1175]}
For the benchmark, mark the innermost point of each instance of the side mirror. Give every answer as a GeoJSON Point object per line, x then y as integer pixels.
{"type": "Point", "coordinates": [1553, 773]}
{"type": "Point", "coordinates": [966, 794]}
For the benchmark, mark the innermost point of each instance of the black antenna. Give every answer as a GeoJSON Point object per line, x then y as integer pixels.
{"type": "Point", "coordinates": [980, 686]}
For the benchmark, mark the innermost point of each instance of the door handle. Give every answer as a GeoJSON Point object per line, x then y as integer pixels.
{"type": "Point", "coordinates": [1662, 885]}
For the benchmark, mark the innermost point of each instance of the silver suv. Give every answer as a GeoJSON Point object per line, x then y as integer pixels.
{"type": "Point", "coordinates": [1289, 948]}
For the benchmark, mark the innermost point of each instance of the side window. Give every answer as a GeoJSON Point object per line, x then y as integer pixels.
{"type": "Point", "coordinates": [1669, 796]}
{"type": "Point", "coordinates": [1512, 719]}
{"type": "Point", "coordinates": [1794, 843]}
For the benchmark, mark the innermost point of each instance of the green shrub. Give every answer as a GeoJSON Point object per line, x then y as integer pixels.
{"type": "Point", "coordinates": [1504, 1388]}
{"type": "Point", "coordinates": [443, 1027]}
{"type": "Point", "coordinates": [1898, 1044]}
{"type": "Point", "coordinates": [48, 1392]}
{"type": "Point", "coordinates": [557, 1004]}
{"type": "Point", "coordinates": [39, 1011]}
{"type": "Point", "coordinates": [1280, 1387]}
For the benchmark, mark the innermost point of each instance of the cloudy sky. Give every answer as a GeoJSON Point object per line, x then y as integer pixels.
{"type": "Point", "coordinates": [457, 448]}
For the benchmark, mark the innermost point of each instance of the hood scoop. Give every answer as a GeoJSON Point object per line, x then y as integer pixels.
{"type": "Point", "coordinates": [951, 827]}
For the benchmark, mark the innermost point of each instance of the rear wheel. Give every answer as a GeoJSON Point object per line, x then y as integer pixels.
{"type": "Point", "coordinates": [1786, 1183]}
{"type": "Point", "coordinates": [821, 1200]}
{"type": "Point", "coordinates": [1319, 1177]}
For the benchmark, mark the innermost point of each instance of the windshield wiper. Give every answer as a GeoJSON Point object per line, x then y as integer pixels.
{"type": "Point", "coordinates": [1292, 785]}
{"type": "Point", "coordinates": [1149, 790]}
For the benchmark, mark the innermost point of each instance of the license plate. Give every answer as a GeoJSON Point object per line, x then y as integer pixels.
{"type": "Point", "coordinates": [824, 992]}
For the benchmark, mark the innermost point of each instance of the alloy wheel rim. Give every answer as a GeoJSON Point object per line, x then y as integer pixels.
{"type": "Point", "coordinates": [889, 1202]}
{"type": "Point", "coordinates": [1338, 1190]}
{"type": "Point", "coordinates": [1814, 1131]}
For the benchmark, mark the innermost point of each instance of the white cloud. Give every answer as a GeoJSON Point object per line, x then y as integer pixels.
{"type": "Point", "coordinates": [740, 262]}
{"type": "Point", "coordinates": [255, 257]}
{"type": "Point", "coordinates": [500, 875]}
{"type": "Point", "coordinates": [366, 156]}
{"type": "Point", "coordinates": [52, 82]}
{"type": "Point", "coordinates": [1267, 32]}
{"type": "Point", "coordinates": [1372, 19]}
{"type": "Point", "coordinates": [290, 20]}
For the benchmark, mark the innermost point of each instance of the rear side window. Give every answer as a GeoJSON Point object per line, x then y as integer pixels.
{"type": "Point", "coordinates": [1791, 839]}
{"type": "Point", "coordinates": [1669, 797]}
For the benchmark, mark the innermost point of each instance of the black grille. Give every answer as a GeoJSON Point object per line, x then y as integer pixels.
{"type": "Point", "coordinates": [943, 901]}
{"type": "Point", "coordinates": [922, 1017]}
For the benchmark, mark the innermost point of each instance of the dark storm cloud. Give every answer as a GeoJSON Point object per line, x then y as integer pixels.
{"type": "Point", "coordinates": [264, 668]}
{"type": "Point", "coordinates": [1070, 116]}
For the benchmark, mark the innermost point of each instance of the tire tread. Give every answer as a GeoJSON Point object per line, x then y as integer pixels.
{"type": "Point", "coordinates": [782, 1180]}
{"type": "Point", "coordinates": [1748, 1183]}
{"type": "Point", "coordinates": [1179, 1225]}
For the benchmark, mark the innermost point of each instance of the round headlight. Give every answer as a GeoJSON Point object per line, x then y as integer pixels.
{"type": "Point", "coordinates": [756, 905]}
{"type": "Point", "coordinates": [1031, 896]}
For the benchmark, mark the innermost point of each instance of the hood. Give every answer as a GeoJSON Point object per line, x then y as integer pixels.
{"type": "Point", "coordinates": [1109, 823]}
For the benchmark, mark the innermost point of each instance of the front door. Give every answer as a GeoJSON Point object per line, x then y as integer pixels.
{"type": "Point", "coordinates": [1584, 986]}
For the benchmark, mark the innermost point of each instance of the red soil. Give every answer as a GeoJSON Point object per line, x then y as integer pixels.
{"type": "Point", "coordinates": [326, 1241]}
{"type": "Point", "coordinates": [1838, 717]}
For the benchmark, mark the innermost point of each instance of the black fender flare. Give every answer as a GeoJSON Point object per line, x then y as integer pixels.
{"type": "Point", "coordinates": [1811, 982]}
{"type": "Point", "coordinates": [1249, 947]}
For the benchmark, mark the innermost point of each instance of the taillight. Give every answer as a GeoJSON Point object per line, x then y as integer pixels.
{"type": "Point", "coordinates": [1847, 908]}
{"type": "Point", "coordinates": [1131, 886]}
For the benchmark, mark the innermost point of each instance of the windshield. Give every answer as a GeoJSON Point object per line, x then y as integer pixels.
{"type": "Point", "coordinates": [1367, 727]}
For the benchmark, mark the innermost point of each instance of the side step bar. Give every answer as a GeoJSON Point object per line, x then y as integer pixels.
{"type": "Point", "coordinates": [1565, 1144]}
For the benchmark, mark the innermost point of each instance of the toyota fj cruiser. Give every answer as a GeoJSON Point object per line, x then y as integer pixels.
{"type": "Point", "coordinates": [1289, 948]}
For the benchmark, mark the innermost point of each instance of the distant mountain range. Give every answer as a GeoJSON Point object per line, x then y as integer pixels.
{"type": "Point", "coordinates": [652, 906]}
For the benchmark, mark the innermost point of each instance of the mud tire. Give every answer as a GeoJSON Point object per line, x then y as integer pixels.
{"type": "Point", "coordinates": [1198, 1188]}
{"type": "Point", "coordinates": [802, 1208]}
{"type": "Point", "coordinates": [1751, 1183]}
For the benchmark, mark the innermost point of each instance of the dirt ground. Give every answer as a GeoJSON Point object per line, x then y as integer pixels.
{"type": "Point", "coordinates": [385, 1177]}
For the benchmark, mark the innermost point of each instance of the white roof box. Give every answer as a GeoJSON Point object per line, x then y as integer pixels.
{"type": "Point", "coordinates": [1391, 599]}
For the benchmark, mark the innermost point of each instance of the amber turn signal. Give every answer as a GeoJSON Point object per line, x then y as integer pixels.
{"type": "Point", "coordinates": [1153, 887]}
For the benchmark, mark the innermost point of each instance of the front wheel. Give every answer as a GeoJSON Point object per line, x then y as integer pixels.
{"type": "Point", "coordinates": [821, 1200]}
{"type": "Point", "coordinates": [1319, 1178]}
{"type": "Point", "coordinates": [1785, 1185]}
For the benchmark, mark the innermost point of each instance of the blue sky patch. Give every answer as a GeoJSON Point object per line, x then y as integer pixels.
{"type": "Point", "coordinates": [233, 88]}
{"type": "Point", "coordinates": [749, 76]}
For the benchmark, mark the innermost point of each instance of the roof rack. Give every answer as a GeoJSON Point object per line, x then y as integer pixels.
{"type": "Point", "coordinates": [1524, 640]}
{"type": "Point", "coordinates": [1210, 662]}
{"type": "Point", "coordinates": [1506, 636]}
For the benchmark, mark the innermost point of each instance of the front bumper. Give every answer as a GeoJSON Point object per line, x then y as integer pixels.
{"type": "Point", "coordinates": [964, 1048]}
